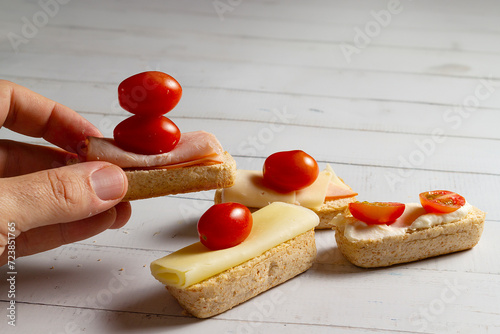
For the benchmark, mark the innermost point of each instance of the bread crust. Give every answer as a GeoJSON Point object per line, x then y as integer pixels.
{"type": "Point", "coordinates": [160, 182]}
{"type": "Point", "coordinates": [236, 285]}
{"type": "Point", "coordinates": [326, 212]}
{"type": "Point", "coordinates": [414, 245]}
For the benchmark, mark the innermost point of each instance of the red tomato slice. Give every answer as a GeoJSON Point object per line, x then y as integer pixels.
{"type": "Point", "coordinates": [150, 93]}
{"type": "Point", "coordinates": [225, 225]}
{"type": "Point", "coordinates": [377, 212]}
{"type": "Point", "coordinates": [290, 170]}
{"type": "Point", "coordinates": [441, 201]}
{"type": "Point", "coordinates": [147, 135]}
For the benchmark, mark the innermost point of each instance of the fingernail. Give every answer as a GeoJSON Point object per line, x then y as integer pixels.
{"type": "Point", "coordinates": [108, 183]}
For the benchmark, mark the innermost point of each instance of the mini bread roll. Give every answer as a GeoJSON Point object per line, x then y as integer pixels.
{"type": "Point", "coordinates": [207, 282]}
{"type": "Point", "coordinates": [234, 286]}
{"type": "Point", "coordinates": [198, 162]}
{"type": "Point", "coordinates": [161, 182]}
{"type": "Point", "coordinates": [412, 245]}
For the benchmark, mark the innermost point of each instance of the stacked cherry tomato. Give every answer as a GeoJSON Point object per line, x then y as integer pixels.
{"type": "Point", "coordinates": [149, 96]}
{"type": "Point", "coordinates": [436, 201]}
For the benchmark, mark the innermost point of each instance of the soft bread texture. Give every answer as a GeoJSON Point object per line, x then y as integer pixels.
{"type": "Point", "coordinates": [414, 245]}
{"type": "Point", "coordinates": [326, 212]}
{"type": "Point", "coordinates": [234, 286]}
{"type": "Point", "coordinates": [160, 182]}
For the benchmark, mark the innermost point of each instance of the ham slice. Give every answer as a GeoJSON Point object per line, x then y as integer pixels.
{"type": "Point", "coordinates": [336, 191]}
{"type": "Point", "coordinates": [205, 161]}
{"type": "Point", "coordinates": [193, 148]}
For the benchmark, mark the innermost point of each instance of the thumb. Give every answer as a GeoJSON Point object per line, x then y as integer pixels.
{"type": "Point", "coordinates": [60, 195]}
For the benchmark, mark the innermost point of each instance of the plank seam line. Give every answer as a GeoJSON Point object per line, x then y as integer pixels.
{"type": "Point", "coordinates": [191, 317]}
{"type": "Point", "coordinates": [270, 92]}
{"type": "Point", "coordinates": [141, 32]}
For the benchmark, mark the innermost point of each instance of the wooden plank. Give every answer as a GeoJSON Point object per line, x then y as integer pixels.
{"type": "Point", "coordinates": [398, 150]}
{"type": "Point", "coordinates": [62, 320]}
{"type": "Point", "coordinates": [327, 112]}
{"type": "Point", "coordinates": [385, 149]}
{"type": "Point", "coordinates": [403, 151]}
{"type": "Point", "coordinates": [178, 44]}
{"type": "Point", "coordinates": [413, 16]}
{"type": "Point", "coordinates": [400, 87]}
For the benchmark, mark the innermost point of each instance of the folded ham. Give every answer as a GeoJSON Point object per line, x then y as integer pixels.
{"type": "Point", "coordinates": [336, 191]}
{"type": "Point", "coordinates": [193, 148]}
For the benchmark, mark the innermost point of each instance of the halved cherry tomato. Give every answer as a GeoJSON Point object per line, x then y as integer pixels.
{"type": "Point", "coordinates": [290, 170]}
{"type": "Point", "coordinates": [377, 212]}
{"type": "Point", "coordinates": [147, 135]}
{"type": "Point", "coordinates": [225, 225]}
{"type": "Point", "coordinates": [441, 201]}
{"type": "Point", "coordinates": [150, 93]}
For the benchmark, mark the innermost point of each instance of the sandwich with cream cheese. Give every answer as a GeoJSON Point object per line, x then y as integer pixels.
{"type": "Point", "coordinates": [421, 231]}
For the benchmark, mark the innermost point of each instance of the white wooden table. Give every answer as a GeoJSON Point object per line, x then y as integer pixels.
{"type": "Point", "coordinates": [399, 98]}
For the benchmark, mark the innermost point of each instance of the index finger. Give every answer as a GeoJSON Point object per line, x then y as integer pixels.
{"type": "Point", "coordinates": [32, 114]}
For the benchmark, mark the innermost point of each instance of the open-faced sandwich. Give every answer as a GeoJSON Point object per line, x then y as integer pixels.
{"type": "Point", "coordinates": [239, 256]}
{"type": "Point", "coordinates": [291, 177]}
{"type": "Point", "coordinates": [157, 158]}
{"type": "Point", "coordinates": [381, 234]}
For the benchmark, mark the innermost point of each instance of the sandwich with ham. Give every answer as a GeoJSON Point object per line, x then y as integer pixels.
{"type": "Point", "coordinates": [157, 158]}
{"type": "Point", "coordinates": [291, 177]}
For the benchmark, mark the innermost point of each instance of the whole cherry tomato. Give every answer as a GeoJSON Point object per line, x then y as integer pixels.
{"type": "Point", "coordinates": [441, 201]}
{"type": "Point", "coordinates": [377, 212]}
{"type": "Point", "coordinates": [150, 93]}
{"type": "Point", "coordinates": [225, 225]}
{"type": "Point", "coordinates": [290, 170]}
{"type": "Point", "coordinates": [147, 135]}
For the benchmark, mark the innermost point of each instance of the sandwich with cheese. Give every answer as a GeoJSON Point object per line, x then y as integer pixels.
{"type": "Point", "coordinates": [382, 234]}
{"type": "Point", "coordinates": [325, 193]}
{"type": "Point", "coordinates": [207, 282]}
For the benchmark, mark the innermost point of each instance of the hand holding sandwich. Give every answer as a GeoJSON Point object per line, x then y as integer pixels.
{"type": "Point", "coordinates": [44, 203]}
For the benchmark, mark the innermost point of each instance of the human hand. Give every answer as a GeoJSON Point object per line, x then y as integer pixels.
{"type": "Point", "coordinates": [51, 206]}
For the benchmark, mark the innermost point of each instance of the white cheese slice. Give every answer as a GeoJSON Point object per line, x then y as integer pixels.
{"type": "Point", "coordinates": [249, 190]}
{"type": "Point", "coordinates": [335, 179]}
{"type": "Point", "coordinates": [272, 225]}
{"type": "Point", "coordinates": [313, 196]}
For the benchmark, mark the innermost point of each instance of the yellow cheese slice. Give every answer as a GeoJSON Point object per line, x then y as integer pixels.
{"type": "Point", "coordinates": [249, 190]}
{"type": "Point", "coordinates": [272, 225]}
